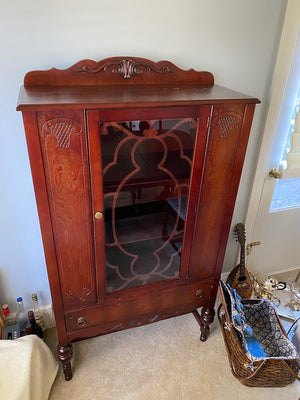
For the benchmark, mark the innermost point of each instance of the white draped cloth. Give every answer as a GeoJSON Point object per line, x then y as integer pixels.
{"type": "Point", "coordinates": [27, 369]}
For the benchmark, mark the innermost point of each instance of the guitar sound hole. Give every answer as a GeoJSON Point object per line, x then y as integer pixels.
{"type": "Point", "coordinates": [242, 278]}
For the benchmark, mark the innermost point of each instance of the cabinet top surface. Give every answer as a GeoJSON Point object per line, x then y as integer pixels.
{"type": "Point", "coordinates": [122, 82]}
{"type": "Point", "coordinates": [87, 97]}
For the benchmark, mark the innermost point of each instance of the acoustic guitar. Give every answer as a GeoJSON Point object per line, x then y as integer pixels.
{"type": "Point", "coordinates": [239, 278]}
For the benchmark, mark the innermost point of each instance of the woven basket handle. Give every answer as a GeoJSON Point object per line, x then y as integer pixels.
{"type": "Point", "coordinates": [250, 376]}
{"type": "Point", "coordinates": [256, 371]}
{"type": "Point", "coordinates": [292, 371]}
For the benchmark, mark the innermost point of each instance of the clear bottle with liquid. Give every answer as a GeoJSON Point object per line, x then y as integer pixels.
{"type": "Point", "coordinates": [8, 318]}
{"type": "Point", "coordinates": [38, 315]}
{"type": "Point", "coordinates": [21, 316]}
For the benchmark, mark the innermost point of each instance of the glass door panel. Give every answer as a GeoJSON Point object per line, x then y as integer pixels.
{"type": "Point", "coordinates": [146, 168]}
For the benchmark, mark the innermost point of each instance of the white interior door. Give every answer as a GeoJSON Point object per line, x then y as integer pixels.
{"type": "Point", "coordinates": [277, 230]}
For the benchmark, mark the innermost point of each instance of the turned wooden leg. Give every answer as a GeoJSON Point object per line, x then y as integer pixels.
{"type": "Point", "coordinates": [65, 355]}
{"type": "Point", "coordinates": [204, 320]}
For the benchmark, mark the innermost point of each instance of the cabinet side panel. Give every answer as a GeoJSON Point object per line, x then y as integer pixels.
{"type": "Point", "coordinates": [64, 149]}
{"type": "Point", "coordinates": [36, 163]}
{"type": "Point", "coordinates": [223, 164]}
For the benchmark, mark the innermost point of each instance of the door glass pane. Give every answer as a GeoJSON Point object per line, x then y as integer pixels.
{"type": "Point", "coordinates": [287, 191]}
{"type": "Point", "coordinates": [146, 167]}
{"type": "Point", "coordinates": [286, 194]}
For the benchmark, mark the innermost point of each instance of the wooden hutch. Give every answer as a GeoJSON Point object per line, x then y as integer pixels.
{"type": "Point", "coordinates": [136, 167]}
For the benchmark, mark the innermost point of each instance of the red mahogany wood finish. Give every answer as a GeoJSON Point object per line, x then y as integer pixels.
{"type": "Point", "coordinates": [136, 167]}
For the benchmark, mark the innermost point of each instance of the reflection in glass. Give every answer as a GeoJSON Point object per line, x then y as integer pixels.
{"type": "Point", "coordinates": [146, 174]}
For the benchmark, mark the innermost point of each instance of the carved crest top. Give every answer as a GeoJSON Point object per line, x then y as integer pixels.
{"type": "Point", "coordinates": [119, 71]}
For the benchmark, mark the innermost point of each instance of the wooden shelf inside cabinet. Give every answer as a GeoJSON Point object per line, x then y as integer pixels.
{"type": "Point", "coordinates": [136, 166]}
{"type": "Point", "coordinates": [142, 222]}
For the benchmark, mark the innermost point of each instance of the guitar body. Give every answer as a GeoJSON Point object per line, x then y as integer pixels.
{"type": "Point", "coordinates": [241, 283]}
{"type": "Point", "coordinates": [239, 278]}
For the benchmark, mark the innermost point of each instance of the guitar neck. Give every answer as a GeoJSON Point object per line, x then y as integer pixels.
{"type": "Point", "coordinates": [242, 259]}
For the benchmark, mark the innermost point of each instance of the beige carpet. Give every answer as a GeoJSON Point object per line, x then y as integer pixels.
{"type": "Point", "coordinates": [161, 361]}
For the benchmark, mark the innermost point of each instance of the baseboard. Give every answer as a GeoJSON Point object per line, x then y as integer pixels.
{"type": "Point", "coordinates": [48, 315]}
{"type": "Point", "coordinates": [284, 271]}
{"type": "Point", "coordinates": [224, 275]}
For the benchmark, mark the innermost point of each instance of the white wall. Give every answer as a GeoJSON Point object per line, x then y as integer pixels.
{"type": "Point", "coordinates": [235, 39]}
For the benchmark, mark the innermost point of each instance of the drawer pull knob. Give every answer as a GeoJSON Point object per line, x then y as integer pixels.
{"type": "Point", "coordinates": [98, 215]}
{"type": "Point", "coordinates": [199, 293]}
{"type": "Point", "coordinates": [81, 321]}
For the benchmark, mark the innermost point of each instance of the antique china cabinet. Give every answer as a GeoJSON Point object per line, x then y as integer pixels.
{"type": "Point", "coordinates": [136, 167]}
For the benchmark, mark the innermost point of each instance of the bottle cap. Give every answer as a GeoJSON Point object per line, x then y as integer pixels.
{"type": "Point", "coordinates": [34, 297]}
{"type": "Point", "coordinates": [5, 309]}
{"type": "Point", "coordinates": [19, 299]}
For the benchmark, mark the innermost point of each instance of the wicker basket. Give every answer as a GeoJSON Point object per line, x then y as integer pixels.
{"type": "Point", "coordinates": [267, 372]}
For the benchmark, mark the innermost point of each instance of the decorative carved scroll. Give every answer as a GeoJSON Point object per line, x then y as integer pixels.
{"type": "Point", "coordinates": [126, 68]}
{"type": "Point", "coordinates": [62, 128]}
{"type": "Point", "coordinates": [119, 71]}
{"type": "Point", "coordinates": [226, 121]}
{"type": "Point", "coordinates": [146, 320]}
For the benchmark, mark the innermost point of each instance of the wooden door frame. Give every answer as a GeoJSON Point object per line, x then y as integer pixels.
{"type": "Point", "coordinates": [265, 161]}
{"type": "Point", "coordinates": [94, 117]}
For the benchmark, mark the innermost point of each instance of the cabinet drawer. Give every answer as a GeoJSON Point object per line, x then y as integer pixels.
{"type": "Point", "coordinates": [140, 311]}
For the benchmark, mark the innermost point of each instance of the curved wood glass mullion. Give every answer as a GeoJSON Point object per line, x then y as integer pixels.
{"type": "Point", "coordinates": [134, 256]}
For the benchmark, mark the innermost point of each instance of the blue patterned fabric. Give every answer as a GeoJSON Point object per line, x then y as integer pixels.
{"type": "Point", "coordinates": [259, 331]}
{"type": "Point", "coordinates": [250, 342]}
{"type": "Point", "coordinates": [263, 320]}
{"type": "Point", "coordinates": [238, 315]}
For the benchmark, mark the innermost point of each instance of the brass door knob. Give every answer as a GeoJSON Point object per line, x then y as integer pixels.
{"type": "Point", "coordinates": [274, 173]}
{"type": "Point", "coordinates": [98, 215]}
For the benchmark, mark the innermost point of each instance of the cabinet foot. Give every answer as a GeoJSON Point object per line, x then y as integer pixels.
{"type": "Point", "coordinates": [65, 355]}
{"type": "Point", "coordinates": [204, 320]}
